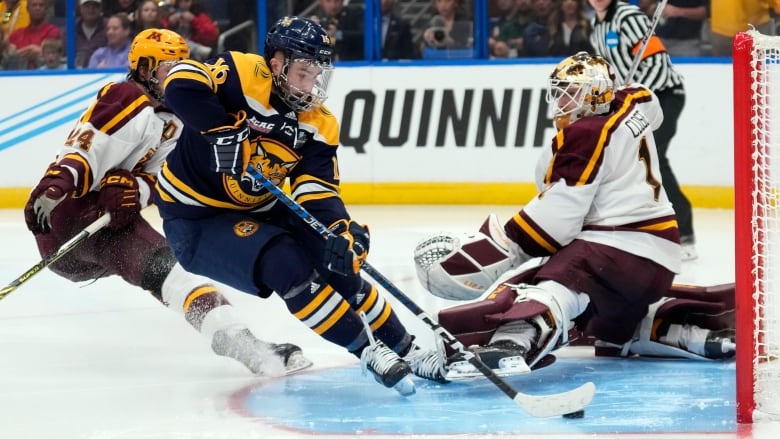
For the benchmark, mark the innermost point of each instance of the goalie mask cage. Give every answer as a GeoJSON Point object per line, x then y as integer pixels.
{"type": "Point", "coordinates": [757, 224]}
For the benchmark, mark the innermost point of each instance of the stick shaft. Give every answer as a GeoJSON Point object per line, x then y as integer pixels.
{"type": "Point", "coordinates": [563, 403]}
{"type": "Point", "coordinates": [645, 41]}
{"type": "Point", "coordinates": [64, 249]}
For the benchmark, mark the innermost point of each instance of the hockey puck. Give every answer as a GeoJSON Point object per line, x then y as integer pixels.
{"type": "Point", "coordinates": [575, 415]}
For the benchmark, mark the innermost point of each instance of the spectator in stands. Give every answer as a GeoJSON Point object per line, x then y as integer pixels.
{"type": "Point", "coordinates": [680, 25]}
{"type": "Point", "coordinates": [344, 24]}
{"type": "Point", "coordinates": [450, 26]}
{"type": "Point", "coordinates": [8, 58]}
{"type": "Point", "coordinates": [569, 29]}
{"type": "Point", "coordinates": [396, 34]}
{"type": "Point", "coordinates": [90, 31]}
{"type": "Point", "coordinates": [114, 53]}
{"type": "Point", "coordinates": [53, 52]}
{"type": "Point", "coordinates": [27, 40]}
{"type": "Point", "coordinates": [510, 42]}
{"type": "Point", "coordinates": [147, 16]}
{"type": "Point", "coordinates": [14, 16]}
{"type": "Point", "coordinates": [727, 17]}
{"type": "Point", "coordinates": [113, 7]}
{"type": "Point", "coordinates": [500, 12]}
{"type": "Point", "coordinates": [190, 20]}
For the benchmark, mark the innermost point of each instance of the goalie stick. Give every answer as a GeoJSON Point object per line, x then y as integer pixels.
{"type": "Point", "coordinates": [557, 404]}
{"type": "Point", "coordinates": [64, 249]}
{"type": "Point", "coordinates": [645, 40]}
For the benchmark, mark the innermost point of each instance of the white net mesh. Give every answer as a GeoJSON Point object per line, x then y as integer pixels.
{"type": "Point", "coordinates": [765, 221]}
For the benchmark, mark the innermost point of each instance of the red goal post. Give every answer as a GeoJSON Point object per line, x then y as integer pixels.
{"type": "Point", "coordinates": [756, 88]}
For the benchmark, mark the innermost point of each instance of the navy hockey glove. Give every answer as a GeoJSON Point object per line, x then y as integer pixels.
{"type": "Point", "coordinates": [54, 187]}
{"type": "Point", "coordinates": [348, 248]}
{"type": "Point", "coordinates": [230, 144]}
{"type": "Point", "coordinates": [119, 197]}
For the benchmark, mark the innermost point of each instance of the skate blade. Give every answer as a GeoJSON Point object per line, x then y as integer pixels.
{"type": "Point", "coordinates": [509, 366]}
{"type": "Point", "coordinates": [405, 387]}
{"type": "Point", "coordinates": [296, 363]}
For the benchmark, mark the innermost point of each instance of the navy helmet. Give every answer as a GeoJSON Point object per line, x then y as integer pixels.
{"type": "Point", "coordinates": [308, 48]}
{"type": "Point", "coordinates": [299, 37]}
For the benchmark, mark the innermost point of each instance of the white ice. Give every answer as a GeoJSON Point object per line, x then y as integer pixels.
{"type": "Point", "coordinates": [105, 360]}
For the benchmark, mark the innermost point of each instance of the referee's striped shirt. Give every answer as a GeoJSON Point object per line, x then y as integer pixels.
{"type": "Point", "coordinates": [620, 35]}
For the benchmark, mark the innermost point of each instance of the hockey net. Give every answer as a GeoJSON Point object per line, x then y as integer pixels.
{"type": "Point", "coordinates": [757, 224]}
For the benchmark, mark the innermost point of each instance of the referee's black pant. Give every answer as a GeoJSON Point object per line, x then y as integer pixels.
{"type": "Point", "coordinates": [672, 101]}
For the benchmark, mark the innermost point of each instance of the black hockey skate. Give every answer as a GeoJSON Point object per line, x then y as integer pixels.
{"type": "Point", "coordinates": [720, 344]}
{"type": "Point", "coordinates": [387, 367]}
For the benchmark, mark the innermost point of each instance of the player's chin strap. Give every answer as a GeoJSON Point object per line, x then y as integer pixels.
{"type": "Point", "coordinates": [535, 405]}
{"type": "Point", "coordinates": [64, 249]}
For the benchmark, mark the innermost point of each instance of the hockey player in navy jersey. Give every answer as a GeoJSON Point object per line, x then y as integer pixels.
{"type": "Point", "coordinates": [109, 164]}
{"type": "Point", "coordinates": [607, 234]}
{"type": "Point", "coordinates": [267, 111]}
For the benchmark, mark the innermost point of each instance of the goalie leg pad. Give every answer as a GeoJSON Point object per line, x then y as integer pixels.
{"type": "Point", "coordinates": [698, 325]}
{"type": "Point", "coordinates": [549, 307]}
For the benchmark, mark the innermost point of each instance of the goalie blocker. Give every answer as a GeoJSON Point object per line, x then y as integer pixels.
{"type": "Point", "coordinates": [693, 322]}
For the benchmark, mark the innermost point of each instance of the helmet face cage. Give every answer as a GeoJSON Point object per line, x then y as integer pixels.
{"type": "Point", "coordinates": [305, 76]}
{"type": "Point", "coordinates": [152, 48]}
{"type": "Point", "coordinates": [580, 85]}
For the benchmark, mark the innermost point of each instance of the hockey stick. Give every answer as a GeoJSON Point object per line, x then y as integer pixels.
{"type": "Point", "coordinates": [645, 40]}
{"type": "Point", "coordinates": [536, 405]}
{"type": "Point", "coordinates": [72, 243]}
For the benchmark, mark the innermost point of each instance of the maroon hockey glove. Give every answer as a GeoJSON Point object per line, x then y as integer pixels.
{"type": "Point", "coordinates": [54, 187]}
{"type": "Point", "coordinates": [119, 197]}
{"type": "Point", "coordinates": [348, 248]}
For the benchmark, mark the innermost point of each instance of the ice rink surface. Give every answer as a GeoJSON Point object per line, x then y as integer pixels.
{"type": "Point", "coordinates": [105, 360]}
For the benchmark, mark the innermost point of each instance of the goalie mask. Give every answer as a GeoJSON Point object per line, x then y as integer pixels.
{"type": "Point", "coordinates": [580, 85]}
{"type": "Point", "coordinates": [151, 48]}
{"type": "Point", "coordinates": [308, 51]}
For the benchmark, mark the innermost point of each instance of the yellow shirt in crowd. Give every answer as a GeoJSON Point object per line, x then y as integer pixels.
{"type": "Point", "coordinates": [727, 17]}
{"type": "Point", "coordinates": [14, 19]}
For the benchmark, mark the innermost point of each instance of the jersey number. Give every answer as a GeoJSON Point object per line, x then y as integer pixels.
{"type": "Point", "coordinates": [644, 157]}
{"type": "Point", "coordinates": [81, 139]}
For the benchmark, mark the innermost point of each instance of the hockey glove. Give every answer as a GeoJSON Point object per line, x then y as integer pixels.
{"type": "Point", "coordinates": [54, 187]}
{"type": "Point", "coordinates": [119, 197]}
{"type": "Point", "coordinates": [346, 250]}
{"type": "Point", "coordinates": [229, 144]}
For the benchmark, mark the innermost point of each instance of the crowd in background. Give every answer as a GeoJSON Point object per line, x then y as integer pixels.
{"type": "Point", "coordinates": [33, 33]}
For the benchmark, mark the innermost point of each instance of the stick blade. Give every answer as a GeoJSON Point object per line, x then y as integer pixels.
{"type": "Point", "coordinates": [544, 406]}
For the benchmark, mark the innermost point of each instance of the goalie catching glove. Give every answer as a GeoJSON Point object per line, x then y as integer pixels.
{"type": "Point", "coordinates": [462, 267]}
{"type": "Point", "coordinates": [53, 188]}
{"type": "Point", "coordinates": [346, 250]}
{"type": "Point", "coordinates": [230, 145]}
{"type": "Point", "coordinates": [119, 197]}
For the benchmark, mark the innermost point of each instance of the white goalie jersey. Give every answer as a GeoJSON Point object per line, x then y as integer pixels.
{"type": "Point", "coordinates": [120, 130]}
{"type": "Point", "coordinates": [600, 181]}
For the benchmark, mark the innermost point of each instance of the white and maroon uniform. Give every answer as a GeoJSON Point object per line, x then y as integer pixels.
{"type": "Point", "coordinates": [603, 217]}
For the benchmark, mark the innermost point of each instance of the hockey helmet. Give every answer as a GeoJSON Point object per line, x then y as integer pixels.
{"type": "Point", "coordinates": [149, 49]}
{"type": "Point", "coordinates": [306, 42]}
{"type": "Point", "coordinates": [156, 46]}
{"type": "Point", "coordinates": [580, 85]}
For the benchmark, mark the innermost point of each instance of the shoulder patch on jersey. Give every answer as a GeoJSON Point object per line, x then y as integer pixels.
{"type": "Point", "coordinates": [324, 124]}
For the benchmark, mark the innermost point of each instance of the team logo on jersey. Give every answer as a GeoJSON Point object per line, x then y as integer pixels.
{"type": "Point", "coordinates": [274, 160]}
{"type": "Point", "coordinates": [245, 228]}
